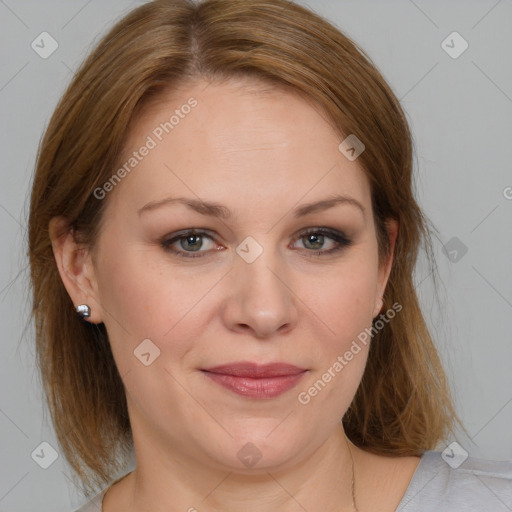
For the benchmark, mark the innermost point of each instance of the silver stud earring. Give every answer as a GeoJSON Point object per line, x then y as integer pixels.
{"type": "Point", "coordinates": [83, 310]}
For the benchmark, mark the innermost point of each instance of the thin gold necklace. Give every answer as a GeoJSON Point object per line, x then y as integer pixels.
{"type": "Point", "coordinates": [354, 505]}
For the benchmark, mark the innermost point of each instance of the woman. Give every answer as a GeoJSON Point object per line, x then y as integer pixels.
{"type": "Point", "coordinates": [224, 196]}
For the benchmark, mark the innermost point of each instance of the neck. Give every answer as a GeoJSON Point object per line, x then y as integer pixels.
{"type": "Point", "coordinates": [167, 480]}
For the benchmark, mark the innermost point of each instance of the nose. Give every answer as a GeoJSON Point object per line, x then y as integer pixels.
{"type": "Point", "coordinates": [260, 300]}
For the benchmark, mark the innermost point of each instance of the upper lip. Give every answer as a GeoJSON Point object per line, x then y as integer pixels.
{"type": "Point", "coordinates": [255, 370]}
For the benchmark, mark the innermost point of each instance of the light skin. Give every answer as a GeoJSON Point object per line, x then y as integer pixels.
{"type": "Point", "coordinates": [262, 153]}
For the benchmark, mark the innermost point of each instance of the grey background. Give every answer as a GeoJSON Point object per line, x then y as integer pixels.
{"type": "Point", "coordinates": [460, 112]}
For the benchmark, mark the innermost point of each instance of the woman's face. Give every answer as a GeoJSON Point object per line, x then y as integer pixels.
{"type": "Point", "coordinates": [276, 273]}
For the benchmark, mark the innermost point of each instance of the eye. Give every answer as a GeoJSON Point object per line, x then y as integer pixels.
{"type": "Point", "coordinates": [193, 243]}
{"type": "Point", "coordinates": [314, 240]}
{"type": "Point", "coordinates": [186, 243]}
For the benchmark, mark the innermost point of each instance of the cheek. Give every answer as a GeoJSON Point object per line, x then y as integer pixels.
{"type": "Point", "coordinates": [344, 305]}
{"type": "Point", "coordinates": [343, 299]}
{"type": "Point", "coordinates": [144, 297]}
{"type": "Point", "coordinates": [131, 292]}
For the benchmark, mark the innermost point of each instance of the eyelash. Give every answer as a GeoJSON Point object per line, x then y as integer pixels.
{"type": "Point", "coordinates": [340, 238]}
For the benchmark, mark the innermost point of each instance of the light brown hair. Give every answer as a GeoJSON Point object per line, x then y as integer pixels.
{"type": "Point", "coordinates": [402, 406]}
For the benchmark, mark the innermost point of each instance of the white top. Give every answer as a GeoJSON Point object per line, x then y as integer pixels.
{"type": "Point", "coordinates": [477, 485]}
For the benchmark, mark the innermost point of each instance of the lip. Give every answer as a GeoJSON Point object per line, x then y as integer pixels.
{"type": "Point", "coordinates": [256, 381]}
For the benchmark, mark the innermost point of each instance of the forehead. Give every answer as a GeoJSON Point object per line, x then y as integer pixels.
{"type": "Point", "coordinates": [236, 141]}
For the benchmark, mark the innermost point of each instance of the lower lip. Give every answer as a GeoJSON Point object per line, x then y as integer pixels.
{"type": "Point", "coordinates": [257, 388]}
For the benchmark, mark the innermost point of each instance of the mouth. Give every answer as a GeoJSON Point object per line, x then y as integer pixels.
{"type": "Point", "coordinates": [252, 380]}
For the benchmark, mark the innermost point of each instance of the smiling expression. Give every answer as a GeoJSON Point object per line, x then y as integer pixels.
{"type": "Point", "coordinates": [243, 238]}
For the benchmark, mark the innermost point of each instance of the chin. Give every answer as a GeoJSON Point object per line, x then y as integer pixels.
{"type": "Point", "coordinates": [256, 450]}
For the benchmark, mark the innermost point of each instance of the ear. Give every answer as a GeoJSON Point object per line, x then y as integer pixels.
{"type": "Point", "coordinates": [75, 267]}
{"type": "Point", "coordinates": [385, 267]}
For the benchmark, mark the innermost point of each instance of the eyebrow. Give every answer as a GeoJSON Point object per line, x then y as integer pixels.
{"type": "Point", "coordinates": [217, 210]}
